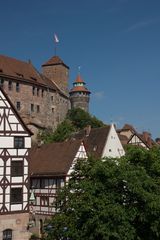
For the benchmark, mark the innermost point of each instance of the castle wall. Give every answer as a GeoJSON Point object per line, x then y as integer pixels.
{"type": "Point", "coordinates": [39, 106]}
{"type": "Point", "coordinates": [58, 74]}
{"type": "Point", "coordinates": [17, 223]}
{"type": "Point", "coordinates": [79, 101]}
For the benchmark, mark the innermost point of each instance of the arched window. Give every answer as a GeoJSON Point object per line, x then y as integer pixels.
{"type": "Point", "coordinates": [7, 234]}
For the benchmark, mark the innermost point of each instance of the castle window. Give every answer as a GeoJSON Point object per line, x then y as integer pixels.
{"type": "Point", "coordinates": [52, 110]}
{"type": "Point", "coordinates": [16, 168]}
{"type": "Point", "coordinates": [7, 234]}
{"type": "Point", "coordinates": [10, 85]}
{"type": "Point", "coordinates": [37, 91]}
{"type": "Point", "coordinates": [32, 107]}
{"type": "Point", "coordinates": [18, 142]}
{"type": "Point", "coordinates": [38, 108]}
{"type": "Point", "coordinates": [42, 93]}
{"type": "Point", "coordinates": [52, 98]}
{"type": "Point", "coordinates": [16, 195]}
{"type": "Point", "coordinates": [33, 90]}
{"type": "Point", "coordinates": [18, 106]}
{"type": "Point", "coordinates": [1, 82]}
{"type": "Point", "coordinates": [17, 87]}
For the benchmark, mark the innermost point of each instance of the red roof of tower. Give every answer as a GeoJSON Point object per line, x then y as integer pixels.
{"type": "Point", "coordinates": [78, 88]}
{"type": "Point", "coordinates": [55, 60]}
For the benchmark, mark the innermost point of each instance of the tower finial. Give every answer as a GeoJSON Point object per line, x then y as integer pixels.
{"type": "Point", "coordinates": [79, 70]}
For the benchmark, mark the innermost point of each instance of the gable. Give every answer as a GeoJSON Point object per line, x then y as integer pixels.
{"type": "Point", "coordinates": [135, 140]}
{"type": "Point", "coordinates": [10, 121]}
{"type": "Point", "coordinates": [113, 147]}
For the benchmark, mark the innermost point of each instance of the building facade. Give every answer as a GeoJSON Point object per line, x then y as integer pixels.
{"type": "Point", "coordinates": [41, 99]}
{"type": "Point", "coordinates": [15, 141]}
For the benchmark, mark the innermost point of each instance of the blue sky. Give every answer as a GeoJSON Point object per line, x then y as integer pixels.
{"type": "Point", "coordinates": [116, 43]}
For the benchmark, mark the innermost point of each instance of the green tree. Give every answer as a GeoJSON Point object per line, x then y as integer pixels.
{"type": "Point", "coordinates": [62, 132]}
{"type": "Point", "coordinates": [75, 120]}
{"type": "Point", "coordinates": [81, 119]}
{"type": "Point", "coordinates": [115, 199]}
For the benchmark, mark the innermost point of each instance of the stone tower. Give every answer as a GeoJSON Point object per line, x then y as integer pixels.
{"type": "Point", "coordinates": [79, 95]}
{"type": "Point", "coordinates": [57, 71]}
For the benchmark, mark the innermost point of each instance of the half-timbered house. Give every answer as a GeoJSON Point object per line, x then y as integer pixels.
{"type": "Point", "coordinates": [101, 142]}
{"type": "Point", "coordinates": [128, 135]}
{"type": "Point", "coordinates": [15, 141]}
{"type": "Point", "coordinates": [50, 168]}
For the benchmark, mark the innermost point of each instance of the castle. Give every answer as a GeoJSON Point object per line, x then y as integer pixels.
{"type": "Point", "coordinates": [42, 99]}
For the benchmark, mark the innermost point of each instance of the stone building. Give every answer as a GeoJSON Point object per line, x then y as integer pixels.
{"type": "Point", "coordinates": [79, 95]}
{"type": "Point", "coordinates": [42, 100]}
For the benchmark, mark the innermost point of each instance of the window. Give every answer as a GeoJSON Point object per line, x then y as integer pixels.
{"type": "Point", "coordinates": [16, 168]}
{"type": "Point", "coordinates": [52, 110]}
{"type": "Point", "coordinates": [18, 142]}
{"type": "Point", "coordinates": [17, 87]}
{"type": "Point", "coordinates": [18, 106]}
{"type": "Point", "coordinates": [37, 91]}
{"type": "Point", "coordinates": [1, 82]}
{"type": "Point", "coordinates": [42, 93]}
{"type": "Point", "coordinates": [7, 234]}
{"type": "Point", "coordinates": [33, 90]}
{"type": "Point", "coordinates": [32, 107]}
{"type": "Point", "coordinates": [10, 85]}
{"type": "Point", "coordinates": [44, 201]}
{"type": "Point", "coordinates": [38, 108]}
{"type": "Point", "coordinates": [52, 98]}
{"type": "Point", "coordinates": [16, 195]}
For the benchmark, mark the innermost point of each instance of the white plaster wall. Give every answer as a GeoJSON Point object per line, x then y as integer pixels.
{"type": "Point", "coordinates": [6, 142]}
{"type": "Point", "coordinates": [113, 147]}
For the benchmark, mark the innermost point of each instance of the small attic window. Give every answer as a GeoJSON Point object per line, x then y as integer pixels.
{"type": "Point", "coordinates": [1, 70]}
{"type": "Point", "coordinates": [19, 74]}
{"type": "Point", "coordinates": [95, 148]}
{"type": "Point", "coordinates": [33, 78]}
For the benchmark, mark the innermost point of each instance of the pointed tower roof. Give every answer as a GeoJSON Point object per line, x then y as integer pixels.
{"type": "Point", "coordinates": [55, 60]}
{"type": "Point", "coordinates": [79, 86]}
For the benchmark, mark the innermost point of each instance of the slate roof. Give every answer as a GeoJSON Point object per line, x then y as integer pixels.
{"type": "Point", "coordinates": [53, 159]}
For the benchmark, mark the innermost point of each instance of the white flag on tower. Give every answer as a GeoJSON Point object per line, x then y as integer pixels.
{"type": "Point", "coordinates": [56, 40]}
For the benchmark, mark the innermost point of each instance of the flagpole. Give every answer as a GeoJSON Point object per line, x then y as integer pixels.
{"type": "Point", "coordinates": [56, 41]}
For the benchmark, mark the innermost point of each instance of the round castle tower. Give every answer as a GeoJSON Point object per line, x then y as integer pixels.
{"type": "Point", "coordinates": [79, 95]}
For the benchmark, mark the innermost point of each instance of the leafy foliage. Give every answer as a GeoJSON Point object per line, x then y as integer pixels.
{"type": "Point", "coordinates": [76, 119]}
{"type": "Point", "coordinates": [81, 119]}
{"type": "Point", "coordinates": [116, 199]}
{"type": "Point", "coordinates": [63, 131]}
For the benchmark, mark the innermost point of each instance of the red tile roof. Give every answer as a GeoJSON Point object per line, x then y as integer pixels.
{"type": "Point", "coordinates": [53, 158]}
{"type": "Point", "coordinates": [55, 60]}
{"type": "Point", "coordinates": [95, 141]}
{"type": "Point", "coordinates": [24, 71]}
{"type": "Point", "coordinates": [79, 89]}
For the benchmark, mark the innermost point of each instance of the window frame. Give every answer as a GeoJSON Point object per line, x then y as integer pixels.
{"type": "Point", "coordinates": [7, 234]}
{"type": "Point", "coordinates": [18, 142]}
{"type": "Point", "coordinates": [17, 168]}
{"type": "Point", "coordinates": [17, 196]}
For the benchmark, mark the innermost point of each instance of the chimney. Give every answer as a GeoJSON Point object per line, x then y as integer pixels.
{"type": "Point", "coordinates": [87, 130]}
{"type": "Point", "coordinates": [147, 138]}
